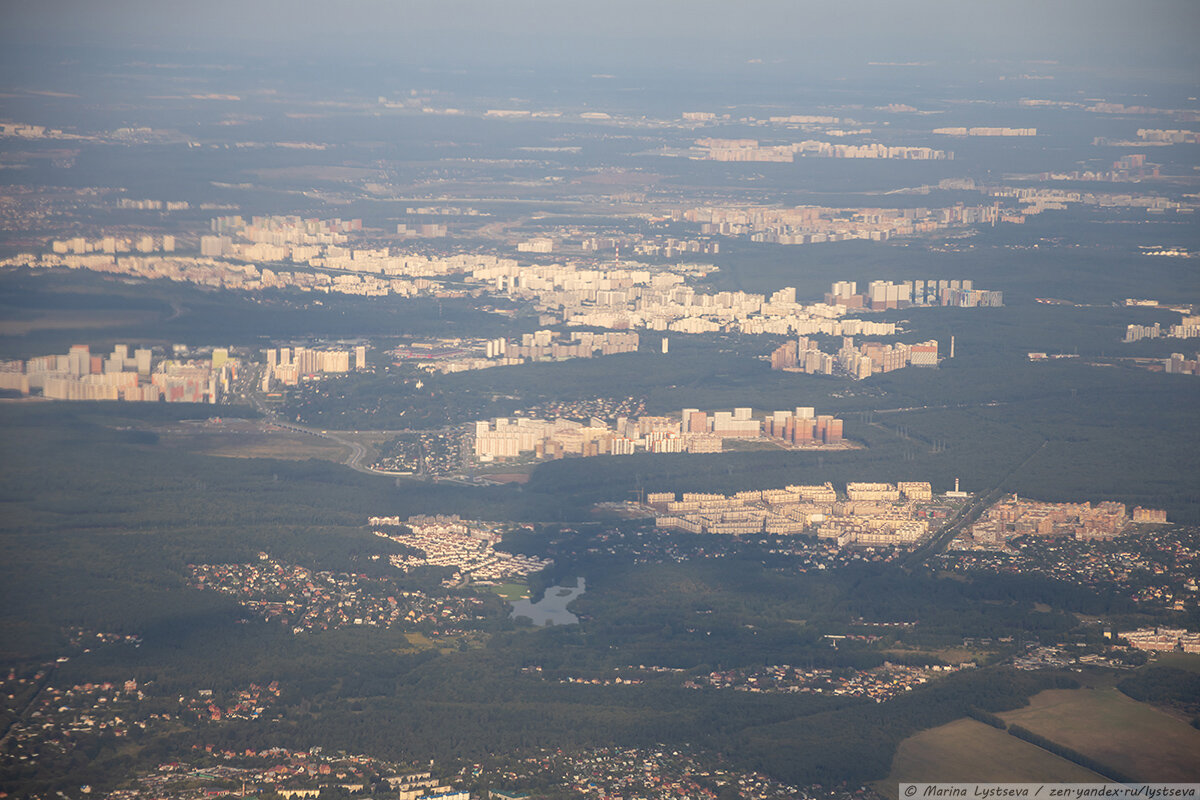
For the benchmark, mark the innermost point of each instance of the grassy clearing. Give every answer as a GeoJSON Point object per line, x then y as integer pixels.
{"type": "Point", "coordinates": [506, 468]}
{"type": "Point", "coordinates": [1104, 724]}
{"type": "Point", "coordinates": [420, 641]}
{"type": "Point", "coordinates": [511, 591]}
{"type": "Point", "coordinates": [77, 320]}
{"type": "Point", "coordinates": [969, 751]}
{"type": "Point", "coordinates": [292, 447]}
{"type": "Point", "coordinates": [951, 655]}
{"type": "Point", "coordinates": [1188, 661]}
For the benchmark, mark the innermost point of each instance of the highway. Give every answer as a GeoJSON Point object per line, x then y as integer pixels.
{"type": "Point", "coordinates": [357, 452]}
{"type": "Point", "coordinates": [966, 515]}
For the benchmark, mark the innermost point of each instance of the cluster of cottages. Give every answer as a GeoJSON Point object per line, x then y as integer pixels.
{"type": "Point", "coordinates": [658, 773]}
{"type": "Point", "coordinates": [61, 717]}
{"type": "Point", "coordinates": [61, 721]}
{"type": "Point", "coordinates": [878, 684]}
{"type": "Point", "coordinates": [298, 597]}
{"type": "Point", "coordinates": [248, 703]}
{"type": "Point", "coordinates": [465, 546]}
{"type": "Point", "coordinates": [1155, 568]}
{"type": "Point", "coordinates": [290, 774]}
{"type": "Point", "coordinates": [308, 601]}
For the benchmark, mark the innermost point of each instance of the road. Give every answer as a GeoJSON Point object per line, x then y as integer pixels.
{"type": "Point", "coordinates": [357, 451]}
{"type": "Point", "coordinates": [24, 714]}
{"type": "Point", "coordinates": [987, 404]}
{"type": "Point", "coordinates": [966, 515]}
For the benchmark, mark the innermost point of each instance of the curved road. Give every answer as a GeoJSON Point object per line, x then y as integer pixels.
{"type": "Point", "coordinates": [357, 451]}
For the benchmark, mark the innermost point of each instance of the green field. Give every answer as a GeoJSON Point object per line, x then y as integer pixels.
{"type": "Point", "coordinates": [967, 750]}
{"type": "Point", "coordinates": [512, 591]}
{"type": "Point", "coordinates": [288, 446]}
{"type": "Point", "coordinates": [1104, 724]}
{"type": "Point", "coordinates": [420, 641]}
{"type": "Point", "coordinates": [1188, 661]}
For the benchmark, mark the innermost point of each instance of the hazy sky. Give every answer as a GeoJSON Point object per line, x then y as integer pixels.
{"type": "Point", "coordinates": [616, 32]}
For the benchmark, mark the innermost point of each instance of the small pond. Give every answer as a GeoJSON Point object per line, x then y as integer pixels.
{"type": "Point", "coordinates": [552, 608]}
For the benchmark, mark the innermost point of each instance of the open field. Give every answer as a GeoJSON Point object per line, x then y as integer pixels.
{"type": "Point", "coordinates": [289, 446]}
{"type": "Point", "coordinates": [950, 655]}
{"type": "Point", "coordinates": [1188, 661]}
{"type": "Point", "coordinates": [508, 477]}
{"type": "Point", "coordinates": [512, 591]}
{"type": "Point", "coordinates": [506, 471]}
{"type": "Point", "coordinates": [1131, 737]}
{"type": "Point", "coordinates": [968, 750]}
{"type": "Point", "coordinates": [77, 320]}
{"type": "Point", "coordinates": [419, 640]}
